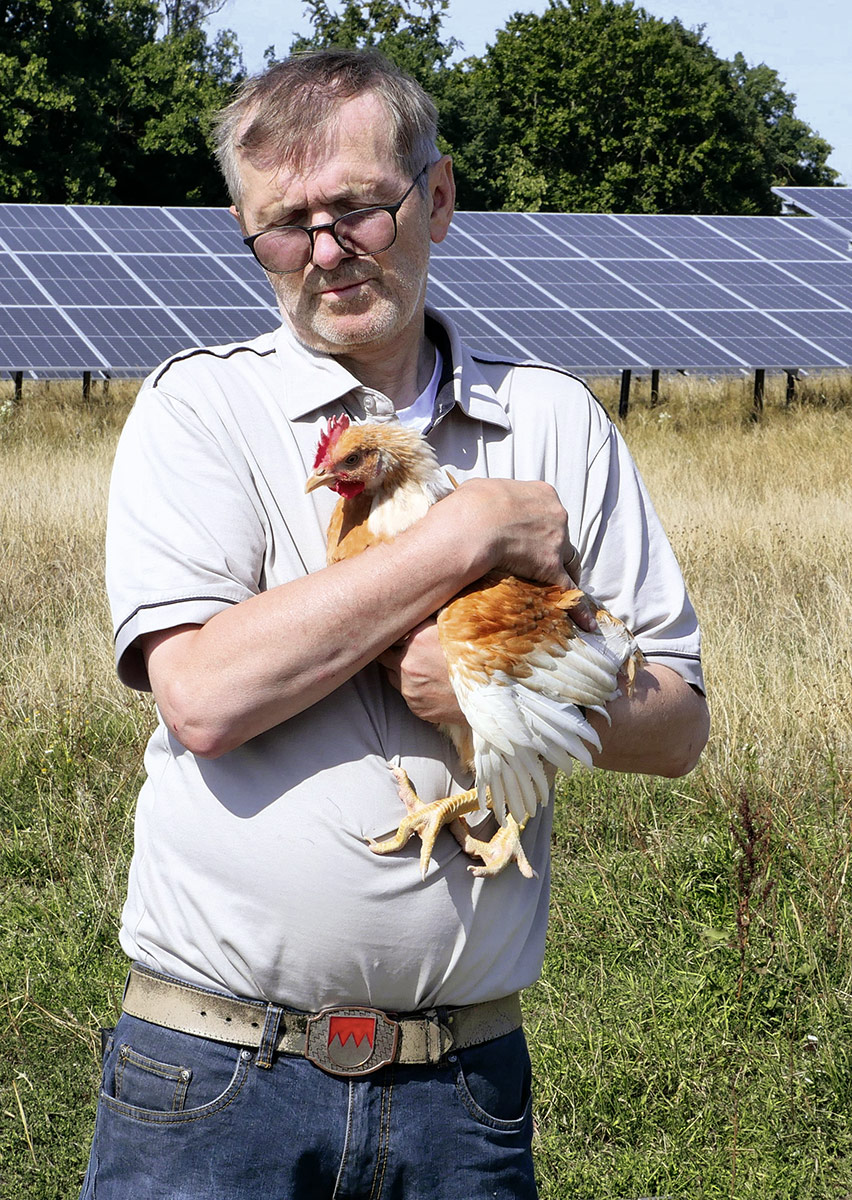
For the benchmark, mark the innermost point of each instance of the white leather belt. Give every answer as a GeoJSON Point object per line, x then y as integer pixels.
{"type": "Point", "coordinates": [349, 1040]}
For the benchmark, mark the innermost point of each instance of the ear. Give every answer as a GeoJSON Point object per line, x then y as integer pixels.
{"type": "Point", "coordinates": [442, 187]}
{"type": "Point", "coordinates": [235, 212]}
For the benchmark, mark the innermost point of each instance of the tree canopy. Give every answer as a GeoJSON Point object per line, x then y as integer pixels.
{"type": "Point", "coordinates": [591, 106]}
{"type": "Point", "coordinates": [96, 108]}
{"type": "Point", "coordinates": [597, 106]}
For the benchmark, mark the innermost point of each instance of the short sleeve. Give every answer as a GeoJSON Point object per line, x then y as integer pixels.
{"type": "Point", "coordinates": [628, 562]}
{"type": "Point", "coordinates": [184, 537]}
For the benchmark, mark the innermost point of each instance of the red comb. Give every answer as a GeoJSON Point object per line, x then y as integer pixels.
{"type": "Point", "coordinates": [336, 426]}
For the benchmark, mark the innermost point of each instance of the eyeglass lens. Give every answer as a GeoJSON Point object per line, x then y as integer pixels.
{"type": "Point", "coordinates": [367, 232]}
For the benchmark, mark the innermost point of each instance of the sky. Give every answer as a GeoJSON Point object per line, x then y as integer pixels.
{"type": "Point", "coordinates": [809, 44]}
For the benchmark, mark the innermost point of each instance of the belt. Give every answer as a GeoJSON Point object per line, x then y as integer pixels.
{"type": "Point", "coordinates": [349, 1040]}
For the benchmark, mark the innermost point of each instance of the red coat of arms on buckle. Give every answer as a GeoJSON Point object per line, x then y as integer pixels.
{"type": "Point", "coordinates": [351, 1041]}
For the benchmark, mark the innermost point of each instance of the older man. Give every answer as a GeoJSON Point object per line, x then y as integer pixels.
{"type": "Point", "coordinates": [305, 1020]}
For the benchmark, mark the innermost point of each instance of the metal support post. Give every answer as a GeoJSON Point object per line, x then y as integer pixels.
{"type": "Point", "coordinates": [790, 394]}
{"type": "Point", "coordinates": [624, 395]}
{"type": "Point", "coordinates": [759, 390]}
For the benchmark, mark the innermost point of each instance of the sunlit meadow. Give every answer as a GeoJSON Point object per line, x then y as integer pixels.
{"type": "Point", "coordinates": [691, 1032]}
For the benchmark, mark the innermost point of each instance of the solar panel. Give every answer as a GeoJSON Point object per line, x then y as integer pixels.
{"type": "Point", "coordinates": [832, 204]}
{"type": "Point", "coordinates": [118, 289]}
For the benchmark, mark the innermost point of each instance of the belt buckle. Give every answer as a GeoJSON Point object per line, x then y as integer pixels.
{"type": "Point", "coordinates": [351, 1041]}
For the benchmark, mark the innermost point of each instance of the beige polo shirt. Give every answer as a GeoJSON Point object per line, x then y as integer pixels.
{"type": "Point", "coordinates": [251, 872]}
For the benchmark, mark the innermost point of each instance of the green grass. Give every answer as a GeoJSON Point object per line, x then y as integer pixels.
{"type": "Point", "coordinates": [68, 778]}
{"type": "Point", "coordinates": [691, 1034]}
{"type": "Point", "coordinates": [692, 1031]}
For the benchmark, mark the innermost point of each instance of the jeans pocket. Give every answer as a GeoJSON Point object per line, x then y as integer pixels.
{"type": "Point", "coordinates": [146, 1083]}
{"type": "Point", "coordinates": [494, 1081]}
{"type": "Point", "coordinates": [159, 1075]}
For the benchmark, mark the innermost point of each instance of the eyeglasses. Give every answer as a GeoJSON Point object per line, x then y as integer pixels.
{"type": "Point", "coordinates": [287, 248]}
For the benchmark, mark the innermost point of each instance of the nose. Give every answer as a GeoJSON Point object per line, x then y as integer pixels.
{"type": "Point", "coordinates": [327, 252]}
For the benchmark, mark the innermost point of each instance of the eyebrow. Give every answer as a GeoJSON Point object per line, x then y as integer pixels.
{"type": "Point", "coordinates": [276, 214]}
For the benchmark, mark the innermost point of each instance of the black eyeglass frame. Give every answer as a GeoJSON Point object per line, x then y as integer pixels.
{"type": "Point", "coordinates": [313, 230]}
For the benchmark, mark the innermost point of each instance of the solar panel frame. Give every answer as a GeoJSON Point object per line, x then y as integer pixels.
{"type": "Point", "coordinates": [830, 204]}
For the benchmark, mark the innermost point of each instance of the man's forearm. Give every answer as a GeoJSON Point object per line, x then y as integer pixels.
{"type": "Point", "coordinates": [659, 729]}
{"type": "Point", "coordinates": [260, 662]}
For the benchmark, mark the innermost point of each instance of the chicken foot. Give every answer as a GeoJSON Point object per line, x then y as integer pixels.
{"type": "Point", "coordinates": [504, 847]}
{"type": "Point", "coordinates": [428, 819]}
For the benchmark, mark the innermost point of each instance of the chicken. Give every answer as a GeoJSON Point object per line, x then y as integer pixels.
{"type": "Point", "coordinates": [523, 671]}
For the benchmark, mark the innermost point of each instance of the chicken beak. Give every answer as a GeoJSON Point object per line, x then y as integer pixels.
{"type": "Point", "coordinates": [319, 479]}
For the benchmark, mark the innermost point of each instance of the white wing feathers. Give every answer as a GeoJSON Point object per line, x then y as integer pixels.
{"type": "Point", "coordinates": [520, 724]}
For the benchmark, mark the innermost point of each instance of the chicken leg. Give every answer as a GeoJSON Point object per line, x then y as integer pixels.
{"type": "Point", "coordinates": [427, 820]}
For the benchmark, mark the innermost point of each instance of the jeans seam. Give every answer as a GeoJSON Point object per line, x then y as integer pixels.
{"type": "Point", "coordinates": [384, 1139]}
{"type": "Point", "coordinates": [345, 1152]}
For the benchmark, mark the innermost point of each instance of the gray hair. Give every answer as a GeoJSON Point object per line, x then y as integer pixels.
{"type": "Point", "coordinates": [284, 114]}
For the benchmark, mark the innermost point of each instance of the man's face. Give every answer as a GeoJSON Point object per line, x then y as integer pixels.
{"type": "Point", "coordinates": [342, 305]}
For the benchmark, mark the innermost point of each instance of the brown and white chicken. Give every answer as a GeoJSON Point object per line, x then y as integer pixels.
{"type": "Point", "coordinates": [519, 665]}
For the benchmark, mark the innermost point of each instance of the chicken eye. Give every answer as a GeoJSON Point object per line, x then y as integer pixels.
{"type": "Point", "coordinates": [351, 460]}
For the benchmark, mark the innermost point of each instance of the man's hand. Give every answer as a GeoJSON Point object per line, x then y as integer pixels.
{"type": "Point", "coordinates": [416, 667]}
{"type": "Point", "coordinates": [521, 527]}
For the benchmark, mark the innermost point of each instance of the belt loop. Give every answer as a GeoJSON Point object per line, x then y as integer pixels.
{"type": "Point", "coordinates": [269, 1037]}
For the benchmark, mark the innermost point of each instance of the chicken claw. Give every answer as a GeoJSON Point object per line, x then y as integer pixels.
{"type": "Point", "coordinates": [496, 854]}
{"type": "Point", "coordinates": [427, 820]}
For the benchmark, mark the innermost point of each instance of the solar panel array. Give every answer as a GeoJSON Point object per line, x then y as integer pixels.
{"type": "Point", "coordinates": [603, 292]}
{"type": "Point", "coordinates": [832, 204]}
{"type": "Point", "coordinates": [115, 290]}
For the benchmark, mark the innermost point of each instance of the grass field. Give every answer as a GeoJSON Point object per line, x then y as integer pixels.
{"type": "Point", "coordinates": [692, 1031]}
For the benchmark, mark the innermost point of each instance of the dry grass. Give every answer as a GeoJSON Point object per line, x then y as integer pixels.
{"type": "Point", "coordinates": [55, 457]}
{"type": "Point", "coordinates": [760, 515]}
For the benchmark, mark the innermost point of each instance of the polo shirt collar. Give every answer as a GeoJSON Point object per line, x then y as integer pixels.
{"type": "Point", "coordinates": [313, 380]}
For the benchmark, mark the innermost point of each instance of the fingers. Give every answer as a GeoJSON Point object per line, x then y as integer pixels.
{"type": "Point", "coordinates": [573, 565]}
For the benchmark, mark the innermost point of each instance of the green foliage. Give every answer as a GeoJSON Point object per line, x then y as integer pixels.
{"type": "Point", "coordinates": [409, 34]}
{"type": "Point", "coordinates": [597, 106]}
{"type": "Point", "coordinates": [61, 130]}
{"type": "Point", "coordinates": [96, 109]}
{"type": "Point", "coordinates": [793, 155]}
{"type": "Point", "coordinates": [175, 86]}
{"type": "Point", "coordinates": [592, 106]}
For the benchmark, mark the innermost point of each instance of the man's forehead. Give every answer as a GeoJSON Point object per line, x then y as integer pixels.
{"type": "Point", "coordinates": [356, 132]}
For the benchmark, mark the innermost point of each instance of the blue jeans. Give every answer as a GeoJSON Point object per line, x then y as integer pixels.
{"type": "Point", "coordinates": [184, 1118]}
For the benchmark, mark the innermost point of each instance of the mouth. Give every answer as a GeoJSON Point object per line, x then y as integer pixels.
{"type": "Point", "coordinates": [342, 289]}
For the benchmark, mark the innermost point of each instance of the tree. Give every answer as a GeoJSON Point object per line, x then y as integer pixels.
{"type": "Point", "coordinates": [174, 86]}
{"type": "Point", "coordinates": [793, 154]}
{"type": "Point", "coordinates": [180, 16]}
{"type": "Point", "coordinates": [96, 109]}
{"type": "Point", "coordinates": [597, 106]}
{"type": "Point", "coordinates": [61, 65]}
{"type": "Point", "coordinates": [408, 34]}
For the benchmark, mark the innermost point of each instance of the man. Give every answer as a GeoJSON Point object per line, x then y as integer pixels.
{"type": "Point", "coordinates": [284, 688]}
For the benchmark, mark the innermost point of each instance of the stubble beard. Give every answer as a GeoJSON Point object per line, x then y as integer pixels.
{"type": "Point", "coordinates": [382, 310]}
